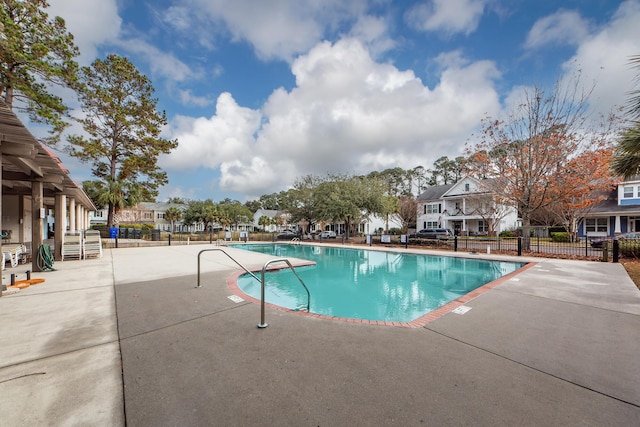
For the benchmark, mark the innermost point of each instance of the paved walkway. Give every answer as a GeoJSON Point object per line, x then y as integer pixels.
{"type": "Point", "coordinates": [128, 337]}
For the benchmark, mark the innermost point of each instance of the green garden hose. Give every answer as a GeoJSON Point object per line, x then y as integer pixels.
{"type": "Point", "coordinates": [45, 258]}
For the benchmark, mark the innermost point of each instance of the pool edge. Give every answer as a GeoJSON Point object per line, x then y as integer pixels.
{"type": "Point", "coordinates": [232, 284]}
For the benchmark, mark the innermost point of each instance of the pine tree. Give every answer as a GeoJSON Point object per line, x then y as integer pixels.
{"type": "Point", "coordinates": [124, 128]}
{"type": "Point", "coordinates": [36, 52]}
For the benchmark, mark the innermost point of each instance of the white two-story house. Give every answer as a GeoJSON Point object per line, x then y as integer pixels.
{"type": "Point", "coordinates": [464, 207]}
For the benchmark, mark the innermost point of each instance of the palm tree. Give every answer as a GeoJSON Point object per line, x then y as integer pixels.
{"type": "Point", "coordinates": [172, 215]}
{"type": "Point", "coordinates": [264, 221]}
{"type": "Point", "coordinates": [112, 195]}
{"type": "Point", "coordinates": [626, 160]}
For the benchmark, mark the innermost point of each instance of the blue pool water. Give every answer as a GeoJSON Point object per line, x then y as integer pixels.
{"type": "Point", "coordinates": [371, 285]}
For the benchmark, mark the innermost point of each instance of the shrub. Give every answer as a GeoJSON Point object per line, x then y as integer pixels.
{"type": "Point", "coordinates": [560, 236]}
{"type": "Point", "coordinates": [507, 233]}
{"type": "Point", "coordinates": [630, 248]}
{"type": "Point", "coordinates": [136, 226]}
{"type": "Point", "coordinates": [532, 232]}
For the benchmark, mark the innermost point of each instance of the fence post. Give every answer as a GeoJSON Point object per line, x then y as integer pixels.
{"type": "Point", "coordinates": [586, 246]}
{"type": "Point", "coordinates": [616, 250]}
{"type": "Point", "coordinates": [169, 239]}
{"type": "Point", "coordinates": [519, 246]}
{"type": "Point", "coordinates": [455, 243]}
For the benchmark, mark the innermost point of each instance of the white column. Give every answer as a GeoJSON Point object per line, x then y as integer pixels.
{"type": "Point", "coordinates": [60, 224]}
{"type": "Point", "coordinates": [617, 226]}
{"type": "Point", "coordinates": [80, 217]}
{"type": "Point", "coordinates": [72, 214]}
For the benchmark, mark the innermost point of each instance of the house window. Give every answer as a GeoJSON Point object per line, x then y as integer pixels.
{"type": "Point", "coordinates": [599, 225]}
{"type": "Point", "coordinates": [433, 208]}
{"type": "Point", "coordinates": [483, 227]}
{"type": "Point", "coordinates": [98, 214]}
{"type": "Point", "coordinates": [431, 224]}
{"type": "Point", "coordinates": [148, 215]}
{"type": "Point", "coordinates": [627, 192]}
{"type": "Point", "coordinates": [466, 187]}
{"type": "Point", "coordinates": [160, 215]}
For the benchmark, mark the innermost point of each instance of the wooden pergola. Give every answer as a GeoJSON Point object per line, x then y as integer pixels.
{"type": "Point", "coordinates": [32, 172]}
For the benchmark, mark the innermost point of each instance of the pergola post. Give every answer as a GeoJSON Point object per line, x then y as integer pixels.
{"type": "Point", "coordinates": [37, 222]}
{"type": "Point", "coordinates": [72, 214]}
{"type": "Point", "coordinates": [60, 226]}
{"type": "Point", "coordinates": [80, 218]}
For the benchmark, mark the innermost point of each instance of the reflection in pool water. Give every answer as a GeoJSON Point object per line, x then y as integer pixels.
{"type": "Point", "coordinates": [371, 285]}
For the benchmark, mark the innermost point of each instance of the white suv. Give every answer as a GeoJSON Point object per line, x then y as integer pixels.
{"type": "Point", "coordinates": [328, 235]}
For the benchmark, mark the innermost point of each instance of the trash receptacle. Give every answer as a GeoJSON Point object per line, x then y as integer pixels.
{"type": "Point", "coordinates": [155, 235]}
{"type": "Point", "coordinates": [122, 233]}
{"type": "Point", "coordinates": [113, 232]}
{"type": "Point", "coordinates": [137, 233]}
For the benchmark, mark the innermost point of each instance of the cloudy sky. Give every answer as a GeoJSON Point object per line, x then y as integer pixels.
{"type": "Point", "coordinates": [259, 93]}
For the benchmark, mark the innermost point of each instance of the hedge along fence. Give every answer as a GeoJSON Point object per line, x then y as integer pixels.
{"type": "Point", "coordinates": [560, 237]}
{"type": "Point", "coordinates": [629, 248]}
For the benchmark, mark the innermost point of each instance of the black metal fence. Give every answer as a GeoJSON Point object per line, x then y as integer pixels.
{"type": "Point", "coordinates": [601, 249]}
{"type": "Point", "coordinates": [610, 249]}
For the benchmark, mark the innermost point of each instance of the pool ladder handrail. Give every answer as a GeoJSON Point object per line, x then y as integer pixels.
{"type": "Point", "coordinates": [262, 323]}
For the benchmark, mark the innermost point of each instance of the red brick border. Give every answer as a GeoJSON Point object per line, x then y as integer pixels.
{"type": "Point", "coordinates": [232, 283]}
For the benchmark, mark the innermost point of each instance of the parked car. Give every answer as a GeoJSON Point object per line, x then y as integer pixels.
{"type": "Point", "coordinates": [598, 243]}
{"type": "Point", "coordinates": [328, 235]}
{"type": "Point", "coordinates": [286, 235]}
{"type": "Point", "coordinates": [432, 233]}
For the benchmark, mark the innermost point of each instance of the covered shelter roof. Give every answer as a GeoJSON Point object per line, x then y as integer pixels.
{"type": "Point", "coordinates": [26, 160]}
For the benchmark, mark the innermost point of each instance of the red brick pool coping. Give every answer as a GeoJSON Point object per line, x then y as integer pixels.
{"type": "Point", "coordinates": [232, 283]}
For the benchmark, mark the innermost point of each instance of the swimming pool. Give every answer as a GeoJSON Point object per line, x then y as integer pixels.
{"type": "Point", "coordinates": [371, 285]}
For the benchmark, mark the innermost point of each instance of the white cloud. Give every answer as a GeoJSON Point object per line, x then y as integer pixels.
{"type": "Point", "coordinates": [448, 16]}
{"type": "Point", "coordinates": [209, 142]}
{"type": "Point", "coordinates": [373, 32]}
{"type": "Point", "coordinates": [563, 27]}
{"type": "Point", "coordinates": [92, 22]}
{"type": "Point", "coordinates": [603, 58]}
{"type": "Point", "coordinates": [161, 63]}
{"type": "Point", "coordinates": [188, 98]}
{"type": "Point", "coordinates": [96, 23]}
{"type": "Point", "coordinates": [278, 29]}
{"type": "Point", "coordinates": [347, 113]}
{"type": "Point", "coordinates": [249, 177]}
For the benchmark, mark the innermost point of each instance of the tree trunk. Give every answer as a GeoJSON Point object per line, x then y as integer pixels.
{"type": "Point", "coordinates": [8, 97]}
{"type": "Point", "coordinates": [110, 215]}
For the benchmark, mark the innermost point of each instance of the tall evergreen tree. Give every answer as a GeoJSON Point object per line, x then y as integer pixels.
{"type": "Point", "coordinates": [124, 125]}
{"type": "Point", "coordinates": [36, 52]}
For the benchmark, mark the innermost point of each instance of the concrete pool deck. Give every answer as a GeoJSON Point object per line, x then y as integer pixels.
{"type": "Point", "coordinates": [128, 338]}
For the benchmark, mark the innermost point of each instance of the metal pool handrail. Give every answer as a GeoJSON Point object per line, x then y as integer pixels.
{"type": "Point", "coordinates": [262, 323]}
{"type": "Point", "coordinates": [230, 257]}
